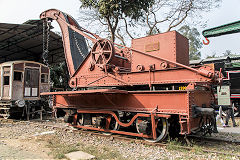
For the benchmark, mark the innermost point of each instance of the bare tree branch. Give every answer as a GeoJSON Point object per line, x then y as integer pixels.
{"type": "Point", "coordinates": [180, 20]}
{"type": "Point", "coordinates": [164, 15]}
{"type": "Point", "coordinates": [126, 28]}
{"type": "Point", "coordinates": [120, 37]}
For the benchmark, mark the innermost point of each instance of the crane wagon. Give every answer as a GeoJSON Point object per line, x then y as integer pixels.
{"type": "Point", "coordinates": [116, 87]}
{"type": "Point", "coordinates": [231, 70]}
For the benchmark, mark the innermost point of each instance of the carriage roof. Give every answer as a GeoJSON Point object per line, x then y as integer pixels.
{"type": "Point", "coordinates": [20, 61]}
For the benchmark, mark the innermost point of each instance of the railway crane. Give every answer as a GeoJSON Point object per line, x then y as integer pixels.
{"type": "Point", "coordinates": [148, 86]}
{"type": "Point", "coordinates": [231, 73]}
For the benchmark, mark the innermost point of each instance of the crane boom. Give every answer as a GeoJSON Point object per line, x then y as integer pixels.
{"type": "Point", "coordinates": [75, 47]}
{"type": "Point", "coordinates": [229, 28]}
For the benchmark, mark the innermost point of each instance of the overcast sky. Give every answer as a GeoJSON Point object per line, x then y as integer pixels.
{"type": "Point", "coordinates": [19, 11]}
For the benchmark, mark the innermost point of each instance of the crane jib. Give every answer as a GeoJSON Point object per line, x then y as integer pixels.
{"type": "Point", "coordinates": [222, 30]}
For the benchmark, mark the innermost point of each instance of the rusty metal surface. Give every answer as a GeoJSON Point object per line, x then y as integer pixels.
{"type": "Point", "coordinates": [85, 92]}
{"type": "Point", "coordinates": [169, 45]}
{"type": "Point", "coordinates": [165, 102]}
{"type": "Point", "coordinates": [61, 17]}
{"type": "Point", "coordinates": [148, 61]}
{"type": "Point", "coordinates": [113, 131]}
{"type": "Point", "coordinates": [153, 61]}
{"type": "Point", "coordinates": [87, 79]}
{"type": "Point", "coordinates": [137, 102]}
{"type": "Point", "coordinates": [199, 98]}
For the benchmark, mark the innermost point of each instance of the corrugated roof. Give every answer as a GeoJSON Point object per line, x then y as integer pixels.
{"type": "Point", "coordinates": [216, 59]}
{"type": "Point", "coordinates": [24, 42]}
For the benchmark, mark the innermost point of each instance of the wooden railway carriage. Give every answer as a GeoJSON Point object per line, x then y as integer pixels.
{"type": "Point", "coordinates": [21, 85]}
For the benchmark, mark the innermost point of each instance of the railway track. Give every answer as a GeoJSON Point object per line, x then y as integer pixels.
{"type": "Point", "coordinates": [52, 124]}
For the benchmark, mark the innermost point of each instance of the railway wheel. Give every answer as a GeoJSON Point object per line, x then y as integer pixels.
{"type": "Point", "coordinates": [80, 119]}
{"type": "Point", "coordinates": [145, 126]}
{"type": "Point", "coordinates": [98, 121]}
{"type": "Point", "coordinates": [113, 125]}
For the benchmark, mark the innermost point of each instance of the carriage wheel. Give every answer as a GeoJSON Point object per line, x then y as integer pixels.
{"type": "Point", "coordinates": [161, 129]}
{"type": "Point", "coordinates": [102, 52]}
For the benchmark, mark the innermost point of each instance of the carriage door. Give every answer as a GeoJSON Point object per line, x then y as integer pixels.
{"type": "Point", "coordinates": [31, 82]}
{"type": "Point", "coordinates": [6, 82]}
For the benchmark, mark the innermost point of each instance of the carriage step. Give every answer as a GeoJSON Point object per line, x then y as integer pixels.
{"type": "Point", "coordinates": [5, 108]}
{"type": "Point", "coordinates": [5, 104]}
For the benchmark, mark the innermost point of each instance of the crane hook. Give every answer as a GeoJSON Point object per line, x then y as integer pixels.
{"type": "Point", "coordinates": [206, 43]}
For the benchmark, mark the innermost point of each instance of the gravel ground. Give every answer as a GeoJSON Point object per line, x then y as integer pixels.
{"type": "Point", "coordinates": [28, 141]}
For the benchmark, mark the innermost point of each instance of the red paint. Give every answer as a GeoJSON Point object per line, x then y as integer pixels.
{"type": "Point", "coordinates": [155, 60]}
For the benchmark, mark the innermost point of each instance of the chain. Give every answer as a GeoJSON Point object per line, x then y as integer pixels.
{"type": "Point", "coordinates": [46, 35]}
{"type": "Point", "coordinates": [77, 44]}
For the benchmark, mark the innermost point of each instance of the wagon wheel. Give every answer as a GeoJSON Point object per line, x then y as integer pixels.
{"type": "Point", "coordinates": [75, 120]}
{"type": "Point", "coordinates": [80, 119]}
{"type": "Point", "coordinates": [113, 125]}
{"type": "Point", "coordinates": [102, 52]}
{"type": "Point", "coordinates": [161, 130]}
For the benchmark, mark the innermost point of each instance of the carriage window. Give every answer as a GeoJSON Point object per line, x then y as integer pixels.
{"type": "Point", "coordinates": [17, 76]}
{"type": "Point", "coordinates": [44, 78]}
{"type": "Point", "coordinates": [6, 80]}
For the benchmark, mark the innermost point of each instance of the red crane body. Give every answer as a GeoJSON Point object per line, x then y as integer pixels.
{"type": "Point", "coordinates": [122, 86]}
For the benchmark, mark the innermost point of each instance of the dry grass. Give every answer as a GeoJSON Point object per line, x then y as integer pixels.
{"type": "Point", "coordinates": [59, 149]}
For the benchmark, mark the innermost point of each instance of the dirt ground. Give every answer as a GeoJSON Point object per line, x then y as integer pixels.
{"type": "Point", "coordinates": [19, 149]}
{"type": "Point", "coordinates": [19, 146]}
{"type": "Point", "coordinates": [28, 141]}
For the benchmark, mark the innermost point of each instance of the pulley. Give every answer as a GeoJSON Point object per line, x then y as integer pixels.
{"type": "Point", "coordinates": [102, 52]}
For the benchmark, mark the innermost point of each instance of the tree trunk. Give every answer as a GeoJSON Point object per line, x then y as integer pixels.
{"type": "Point", "coordinates": [112, 27]}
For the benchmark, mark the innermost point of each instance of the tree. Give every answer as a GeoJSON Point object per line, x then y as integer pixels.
{"type": "Point", "coordinates": [124, 20]}
{"type": "Point", "coordinates": [194, 41]}
{"type": "Point", "coordinates": [166, 15]}
{"type": "Point", "coordinates": [229, 53]}
{"type": "Point", "coordinates": [213, 55]}
{"type": "Point", "coordinates": [225, 54]}
{"type": "Point", "coordinates": [59, 76]}
{"type": "Point", "coordinates": [111, 11]}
